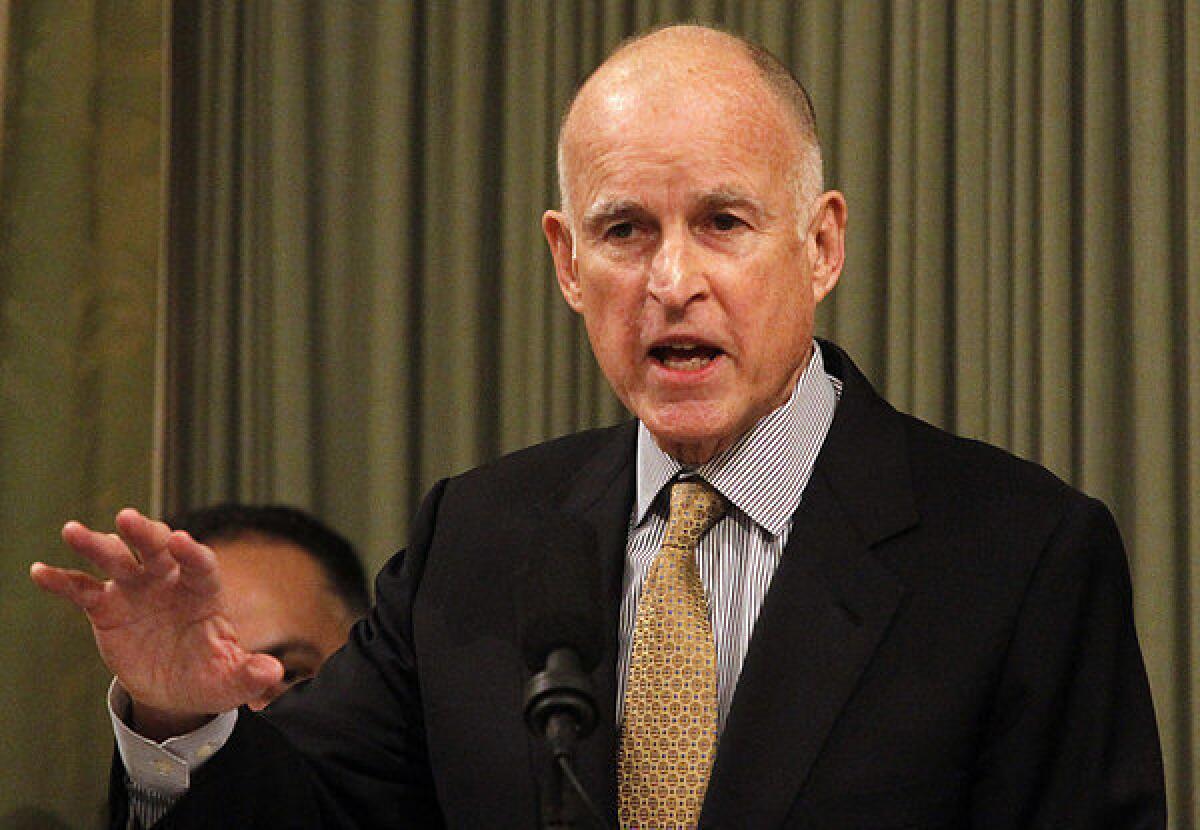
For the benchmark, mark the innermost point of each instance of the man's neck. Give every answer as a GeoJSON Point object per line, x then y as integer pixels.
{"type": "Point", "coordinates": [777, 453]}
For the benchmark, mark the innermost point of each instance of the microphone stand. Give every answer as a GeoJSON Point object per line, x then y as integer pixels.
{"type": "Point", "coordinates": [561, 708]}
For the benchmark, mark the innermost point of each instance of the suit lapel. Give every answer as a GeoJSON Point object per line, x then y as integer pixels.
{"type": "Point", "coordinates": [829, 604]}
{"type": "Point", "coordinates": [602, 494]}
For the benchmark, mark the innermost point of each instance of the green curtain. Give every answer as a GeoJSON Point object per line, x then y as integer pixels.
{"type": "Point", "coordinates": [80, 232]}
{"type": "Point", "coordinates": [359, 300]}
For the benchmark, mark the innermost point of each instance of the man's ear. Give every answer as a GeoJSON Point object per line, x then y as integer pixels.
{"type": "Point", "coordinates": [828, 238]}
{"type": "Point", "coordinates": [557, 228]}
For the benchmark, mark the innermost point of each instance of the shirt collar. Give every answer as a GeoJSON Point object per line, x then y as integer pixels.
{"type": "Point", "coordinates": [765, 472]}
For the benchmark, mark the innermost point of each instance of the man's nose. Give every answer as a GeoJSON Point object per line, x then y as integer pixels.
{"type": "Point", "coordinates": [676, 271]}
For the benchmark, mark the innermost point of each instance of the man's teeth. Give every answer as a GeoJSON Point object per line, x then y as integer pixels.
{"type": "Point", "coordinates": [686, 357]}
{"type": "Point", "coordinates": [694, 362]}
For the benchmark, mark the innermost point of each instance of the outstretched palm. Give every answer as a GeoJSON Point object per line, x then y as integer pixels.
{"type": "Point", "coordinates": [159, 620]}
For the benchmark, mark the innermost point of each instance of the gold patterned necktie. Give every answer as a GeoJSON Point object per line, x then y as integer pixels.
{"type": "Point", "coordinates": [669, 736]}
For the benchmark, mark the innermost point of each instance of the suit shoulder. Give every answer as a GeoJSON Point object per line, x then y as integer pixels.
{"type": "Point", "coordinates": [985, 511]}
{"type": "Point", "coordinates": [543, 468]}
{"type": "Point", "coordinates": [949, 469]}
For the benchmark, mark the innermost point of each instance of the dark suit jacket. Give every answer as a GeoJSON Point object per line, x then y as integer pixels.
{"type": "Point", "coordinates": [948, 642]}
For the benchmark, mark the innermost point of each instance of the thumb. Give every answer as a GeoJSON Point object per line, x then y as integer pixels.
{"type": "Point", "coordinates": [259, 672]}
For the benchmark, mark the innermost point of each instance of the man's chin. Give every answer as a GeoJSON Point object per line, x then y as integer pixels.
{"type": "Point", "coordinates": [688, 443]}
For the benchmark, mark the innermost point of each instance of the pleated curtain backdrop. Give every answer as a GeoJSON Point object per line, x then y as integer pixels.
{"type": "Point", "coordinates": [360, 300]}
{"type": "Point", "coordinates": [81, 221]}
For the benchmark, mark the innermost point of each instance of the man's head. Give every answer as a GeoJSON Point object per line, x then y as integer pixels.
{"type": "Point", "coordinates": [693, 237]}
{"type": "Point", "coordinates": [295, 586]}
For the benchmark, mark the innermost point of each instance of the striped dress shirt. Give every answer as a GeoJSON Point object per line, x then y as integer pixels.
{"type": "Point", "coordinates": [763, 477]}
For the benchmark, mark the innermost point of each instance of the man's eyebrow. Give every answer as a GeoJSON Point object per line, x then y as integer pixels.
{"type": "Point", "coordinates": [608, 209]}
{"type": "Point", "coordinates": [730, 198]}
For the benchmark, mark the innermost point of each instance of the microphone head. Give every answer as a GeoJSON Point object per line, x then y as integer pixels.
{"type": "Point", "coordinates": [558, 593]}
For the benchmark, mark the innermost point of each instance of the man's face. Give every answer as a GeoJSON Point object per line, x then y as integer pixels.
{"type": "Point", "coordinates": [696, 271]}
{"type": "Point", "coordinates": [281, 604]}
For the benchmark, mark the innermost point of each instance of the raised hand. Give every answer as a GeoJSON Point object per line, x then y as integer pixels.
{"type": "Point", "coordinates": [160, 622]}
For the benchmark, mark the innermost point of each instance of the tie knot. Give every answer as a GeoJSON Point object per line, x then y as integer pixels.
{"type": "Point", "coordinates": [695, 507]}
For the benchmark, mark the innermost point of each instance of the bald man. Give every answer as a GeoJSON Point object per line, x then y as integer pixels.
{"type": "Point", "coordinates": [818, 612]}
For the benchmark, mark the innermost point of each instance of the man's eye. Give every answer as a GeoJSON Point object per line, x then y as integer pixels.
{"type": "Point", "coordinates": [621, 230]}
{"type": "Point", "coordinates": [726, 221]}
{"type": "Point", "coordinates": [294, 674]}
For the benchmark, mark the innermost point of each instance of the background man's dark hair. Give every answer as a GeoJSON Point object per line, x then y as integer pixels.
{"type": "Point", "coordinates": [333, 552]}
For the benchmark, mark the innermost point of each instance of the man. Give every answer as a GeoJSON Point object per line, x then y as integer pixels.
{"type": "Point", "coordinates": [295, 585]}
{"type": "Point", "coordinates": [819, 612]}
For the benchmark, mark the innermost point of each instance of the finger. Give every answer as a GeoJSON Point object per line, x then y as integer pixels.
{"type": "Point", "coordinates": [165, 559]}
{"type": "Point", "coordinates": [82, 589]}
{"type": "Point", "coordinates": [146, 537]}
{"type": "Point", "coordinates": [198, 569]}
{"type": "Point", "coordinates": [251, 680]}
{"type": "Point", "coordinates": [259, 673]}
{"type": "Point", "coordinates": [104, 550]}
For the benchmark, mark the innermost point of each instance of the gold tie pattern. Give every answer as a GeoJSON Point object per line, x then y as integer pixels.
{"type": "Point", "coordinates": [669, 736]}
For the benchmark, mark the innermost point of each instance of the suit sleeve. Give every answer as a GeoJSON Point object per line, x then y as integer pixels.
{"type": "Point", "coordinates": [1072, 741]}
{"type": "Point", "coordinates": [346, 750]}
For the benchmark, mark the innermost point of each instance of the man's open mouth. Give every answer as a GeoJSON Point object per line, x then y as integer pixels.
{"type": "Point", "coordinates": [685, 357]}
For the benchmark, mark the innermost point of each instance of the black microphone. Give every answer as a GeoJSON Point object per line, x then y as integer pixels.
{"type": "Point", "coordinates": [560, 626]}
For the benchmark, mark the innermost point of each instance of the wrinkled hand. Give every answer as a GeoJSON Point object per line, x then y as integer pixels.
{"type": "Point", "coordinates": [160, 622]}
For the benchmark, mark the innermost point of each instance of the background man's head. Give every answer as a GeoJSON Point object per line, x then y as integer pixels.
{"type": "Point", "coordinates": [694, 238]}
{"type": "Point", "coordinates": [295, 585]}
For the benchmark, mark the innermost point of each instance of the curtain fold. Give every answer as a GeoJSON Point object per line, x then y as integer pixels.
{"type": "Point", "coordinates": [80, 226]}
{"type": "Point", "coordinates": [361, 302]}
